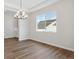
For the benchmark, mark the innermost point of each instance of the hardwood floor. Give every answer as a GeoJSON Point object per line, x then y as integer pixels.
{"type": "Point", "coordinates": [30, 49]}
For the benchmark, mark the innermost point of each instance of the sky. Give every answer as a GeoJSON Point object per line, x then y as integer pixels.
{"type": "Point", "coordinates": [49, 15]}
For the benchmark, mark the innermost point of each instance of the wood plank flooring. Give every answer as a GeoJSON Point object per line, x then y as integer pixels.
{"type": "Point", "coordinates": [30, 49]}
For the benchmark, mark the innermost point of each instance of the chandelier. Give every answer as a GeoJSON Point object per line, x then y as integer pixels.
{"type": "Point", "coordinates": [21, 13]}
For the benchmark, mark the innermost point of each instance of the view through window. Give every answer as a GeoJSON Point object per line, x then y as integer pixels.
{"type": "Point", "coordinates": [46, 22]}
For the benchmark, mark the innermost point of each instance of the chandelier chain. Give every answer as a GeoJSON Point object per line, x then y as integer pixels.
{"type": "Point", "coordinates": [20, 4]}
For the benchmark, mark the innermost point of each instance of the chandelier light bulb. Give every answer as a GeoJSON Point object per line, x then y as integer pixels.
{"type": "Point", "coordinates": [21, 13]}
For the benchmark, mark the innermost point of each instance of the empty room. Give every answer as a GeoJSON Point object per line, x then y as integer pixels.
{"type": "Point", "coordinates": [39, 29]}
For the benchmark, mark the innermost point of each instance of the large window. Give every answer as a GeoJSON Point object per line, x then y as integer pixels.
{"type": "Point", "coordinates": [46, 22]}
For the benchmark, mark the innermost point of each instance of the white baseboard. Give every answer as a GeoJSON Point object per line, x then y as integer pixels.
{"type": "Point", "coordinates": [10, 37]}
{"type": "Point", "coordinates": [24, 39]}
{"type": "Point", "coordinates": [70, 49]}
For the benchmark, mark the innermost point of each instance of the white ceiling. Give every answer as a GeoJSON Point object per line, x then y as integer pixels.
{"type": "Point", "coordinates": [28, 5]}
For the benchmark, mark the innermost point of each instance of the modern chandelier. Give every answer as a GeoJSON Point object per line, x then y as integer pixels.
{"type": "Point", "coordinates": [21, 13]}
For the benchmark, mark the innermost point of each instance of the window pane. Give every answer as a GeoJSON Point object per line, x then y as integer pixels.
{"type": "Point", "coordinates": [46, 22]}
{"type": "Point", "coordinates": [40, 22]}
{"type": "Point", "coordinates": [51, 26]}
{"type": "Point", "coordinates": [50, 15]}
{"type": "Point", "coordinates": [51, 21]}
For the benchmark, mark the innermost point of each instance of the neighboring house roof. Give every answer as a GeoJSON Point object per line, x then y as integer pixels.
{"type": "Point", "coordinates": [51, 27]}
{"type": "Point", "coordinates": [41, 24]}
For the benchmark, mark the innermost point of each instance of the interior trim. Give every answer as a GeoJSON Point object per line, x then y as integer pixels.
{"type": "Point", "coordinates": [54, 45]}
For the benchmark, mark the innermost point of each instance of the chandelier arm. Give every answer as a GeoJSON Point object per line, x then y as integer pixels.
{"type": "Point", "coordinates": [21, 13]}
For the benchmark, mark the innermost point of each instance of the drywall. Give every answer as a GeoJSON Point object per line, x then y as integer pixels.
{"type": "Point", "coordinates": [10, 25]}
{"type": "Point", "coordinates": [64, 37]}
{"type": "Point", "coordinates": [23, 29]}
{"type": "Point", "coordinates": [14, 27]}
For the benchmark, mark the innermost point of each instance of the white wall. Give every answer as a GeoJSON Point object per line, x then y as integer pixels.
{"type": "Point", "coordinates": [23, 29]}
{"type": "Point", "coordinates": [64, 37]}
{"type": "Point", "coordinates": [14, 27]}
{"type": "Point", "coordinates": [10, 25]}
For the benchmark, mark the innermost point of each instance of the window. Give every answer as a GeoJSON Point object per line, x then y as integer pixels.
{"type": "Point", "coordinates": [46, 22]}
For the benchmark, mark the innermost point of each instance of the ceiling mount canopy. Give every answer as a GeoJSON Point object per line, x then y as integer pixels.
{"type": "Point", "coordinates": [21, 13]}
